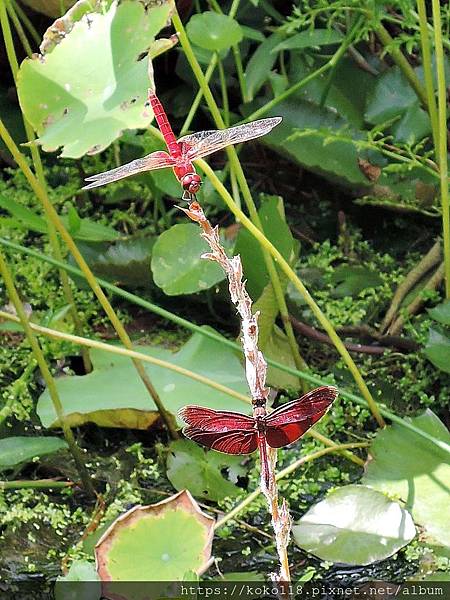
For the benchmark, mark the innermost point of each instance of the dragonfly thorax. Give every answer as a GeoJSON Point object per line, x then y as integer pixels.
{"type": "Point", "coordinates": [191, 182]}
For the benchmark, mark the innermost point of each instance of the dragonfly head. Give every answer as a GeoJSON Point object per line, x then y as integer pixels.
{"type": "Point", "coordinates": [191, 182]}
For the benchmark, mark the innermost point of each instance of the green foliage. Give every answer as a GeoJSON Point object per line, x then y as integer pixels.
{"type": "Point", "coordinates": [354, 525]}
{"type": "Point", "coordinates": [190, 467]}
{"type": "Point", "coordinates": [17, 450]}
{"type": "Point", "coordinates": [87, 110]}
{"type": "Point", "coordinates": [69, 586]}
{"type": "Point", "coordinates": [415, 471]}
{"type": "Point", "coordinates": [213, 31]}
{"type": "Point", "coordinates": [177, 265]}
{"type": "Point", "coordinates": [113, 395]}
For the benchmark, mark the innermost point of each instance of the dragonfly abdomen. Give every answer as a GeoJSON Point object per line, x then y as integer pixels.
{"type": "Point", "coordinates": [164, 125]}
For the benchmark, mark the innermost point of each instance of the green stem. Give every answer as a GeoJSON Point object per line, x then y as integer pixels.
{"type": "Point", "coordinates": [162, 312]}
{"type": "Point", "coordinates": [209, 71]}
{"type": "Point", "coordinates": [90, 278]}
{"type": "Point", "coordinates": [37, 484]}
{"type": "Point", "coordinates": [236, 166]}
{"type": "Point", "coordinates": [60, 335]}
{"type": "Point", "coordinates": [240, 74]}
{"type": "Point", "coordinates": [400, 60]}
{"type": "Point", "coordinates": [281, 475]}
{"type": "Point", "coordinates": [443, 159]}
{"type": "Point", "coordinates": [428, 74]}
{"type": "Point", "coordinates": [46, 374]}
{"type": "Point", "coordinates": [53, 237]}
{"type": "Point", "coordinates": [26, 21]}
{"type": "Point", "coordinates": [224, 91]}
{"type": "Point", "coordinates": [18, 27]}
{"type": "Point", "coordinates": [287, 269]}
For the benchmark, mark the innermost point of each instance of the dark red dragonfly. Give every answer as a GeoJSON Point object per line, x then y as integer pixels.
{"type": "Point", "coordinates": [234, 433]}
{"type": "Point", "coordinates": [185, 150]}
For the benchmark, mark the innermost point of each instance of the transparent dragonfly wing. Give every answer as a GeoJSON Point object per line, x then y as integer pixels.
{"type": "Point", "coordinates": [155, 160]}
{"type": "Point", "coordinates": [203, 143]}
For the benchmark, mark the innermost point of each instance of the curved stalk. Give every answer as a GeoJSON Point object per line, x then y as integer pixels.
{"type": "Point", "coordinates": [287, 269]}
{"type": "Point", "coordinates": [284, 473]}
{"type": "Point", "coordinates": [442, 152]}
{"type": "Point", "coordinates": [162, 312]}
{"type": "Point", "coordinates": [236, 166]}
{"type": "Point", "coordinates": [90, 278]}
{"type": "Point", "coordinates": [36, 157]}
{"type": "Point", "coordinates": [47, 376]}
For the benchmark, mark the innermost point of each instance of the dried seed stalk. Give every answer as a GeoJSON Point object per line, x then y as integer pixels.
{"type": "Point", "coordinates": [255, 370]}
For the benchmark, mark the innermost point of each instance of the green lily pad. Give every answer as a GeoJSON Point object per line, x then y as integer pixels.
{"type": "Point", "coordinates": [411, 468]}
{"type": "Point", "coordinates": [113, 395]}
{"type": "Point", "coordinates": [160, 542]}
{"type": "Point", "coordinates": [81, 581]}
{"type": "Point", "coordinates": [18, 449]}
{"type": "Point", "coordinates": [213, 31]}
{"type": "Point", "coordinates": [354, 525]}
{"type": "Point", "coordinates": [177, 265]}
{"type": "Point", "coordinates": [190, 467]}
{"type": "Point", "coordinates": [437, 350]}
{"type": "Point", "coordinates": [92, 86]}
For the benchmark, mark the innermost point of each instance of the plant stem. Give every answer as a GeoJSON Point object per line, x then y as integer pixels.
{"type": "Point", "coordinates": [284, 473]}
{"type": "Point", "coordinates": [46, 374]}
{"type": "Point", "coordinates": [240, 73]}
{"type": "Point", "coordinates": [443, 159]}
{"type": "Point", "coordinates": [236, 166]}
{"type": "Point", "coordinates": [60, 335]}
{"type": "Point", "coordinates": [224, 91]}
{"type": "Point", "coordinates": [26, 21]}
{"type": "Point", "coordinates": [287, 269]}
{"type": "Point", "coordinates": [195, 104]}
{"type": "Point", "coordinates": [133, 354]}
{"type": "Point", "coordinates": [428, 74]}
{"type": "Point", "coordinates": [400, 60]}
{"type": "Point", "coordinates": [36, 484]}
{"type": "Point", "coordinates": [53, 237]}
{"type": "Point", "coordinates": [90, 278]}
{"type": "Point", "coordinates": [162, 312]}
{"type": "Point", "coordinates": [18, 27]}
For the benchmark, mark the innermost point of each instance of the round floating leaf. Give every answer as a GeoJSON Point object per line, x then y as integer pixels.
{"type": "Point", "coordinates": [92, 86]}
{"type": "Point", "coordinates": [177, 264]}
{"type": "Point", "coordinates": [80, 582]}
{"type": "Point", "coordinates": [160, 542]}
{"type": "Point", "coordinates": [415, 470]}
{"type": "Point", "coordinates": [16, 450]}
{"type": "Point", "coordinates": [213, 31]}
{"type": "Point", "coordinates": [113, 395]}
{"type": "Point", "coordinates": [189, 466]}
{"type": "Point", "coordinates": [354, 525]}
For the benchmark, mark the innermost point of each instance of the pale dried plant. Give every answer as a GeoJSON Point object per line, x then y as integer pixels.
{"type": "Point", "coordinates": [255, 370]}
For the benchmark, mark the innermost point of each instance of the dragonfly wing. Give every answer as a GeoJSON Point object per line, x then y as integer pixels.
{"type": "Point", "coordinates": [219, 421]}
{"type": "Point", "coordinates": [235, 441]}
{"type": "Point", "coordinates": [155, 160]}
{"type": "Point", "coordinates": [289, 422]}
{"type": "Point", "coordinates": [203, 143]}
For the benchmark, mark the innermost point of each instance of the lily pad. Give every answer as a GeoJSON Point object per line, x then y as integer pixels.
{"type": "Point", "coordinates": [113, 395]}
{"type": "Point", "coordinates": [18, 449]}
{"type": "Point", "coordinates": [81, 581]}
{"type": "Point", "coordinates": [354, 525]}
{"type": "Point", "coordinates": [214, 31]}
{"type": "Point", "coordinates": [411, 468]}
{"type": "Point", "coordinates": [177, 265]}
{"type": "Point", "coordinates": [160, 542]}
{"type": "Point", "coordinates": [92, 86]}
{"type": "Point", "coordinates": [191, 467]}
{"type": "Point", "coordinates": [441, 313]}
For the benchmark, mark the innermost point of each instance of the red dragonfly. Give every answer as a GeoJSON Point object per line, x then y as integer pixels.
{"type": "Point", "coordinates": [234, 433]}
{"type": "Point", "coordinates": [185, 150]}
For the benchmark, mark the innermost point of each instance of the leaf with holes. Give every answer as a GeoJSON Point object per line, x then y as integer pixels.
{"type": "Point", "coordinates": [92, 86]}
{"type": "Point", "coordinates": [190, 467]}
